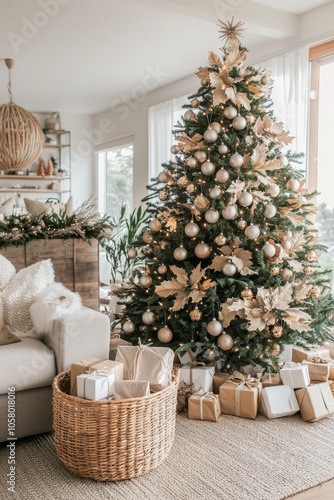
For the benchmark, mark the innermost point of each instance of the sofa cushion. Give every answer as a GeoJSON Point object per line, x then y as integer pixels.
{"type": "Point", "coordinates": [7, 272]}
{"type": "Point", "coordinates": [7, 207]}
{"type": "Point", "coordinates": [5, 336]}
{"type": "Point", "coordinates": [26, 365]}
{"type": "Point", "coordinates": [21, 293]}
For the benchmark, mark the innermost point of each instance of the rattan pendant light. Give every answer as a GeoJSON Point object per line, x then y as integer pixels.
{"type": "Point", "coordinates": [21, 136]}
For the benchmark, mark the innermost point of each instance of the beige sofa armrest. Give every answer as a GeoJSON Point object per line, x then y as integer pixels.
{"type": "Point", "coordinates": [83, 333]}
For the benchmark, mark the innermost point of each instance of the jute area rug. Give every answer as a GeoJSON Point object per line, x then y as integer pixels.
{"type": "Point", "coordinates": [234, 459]}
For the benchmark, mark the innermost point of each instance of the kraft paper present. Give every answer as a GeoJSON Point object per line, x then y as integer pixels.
{"type": "Point", "coordinates": [329, 344]}
{"type": "Point", "coordinates": [128, 389]}
{"type": "Point", "coordinates": [200, 376]}
{"type": "Point", "coordinates": [319, 372]}
{"type": "Point", "coordinates": [89, 365]}
{"type": "Point", "coordinates": [239, 395]}
{"type": "Point", "coordinates": [95, 386]}
{"type": "Point", "coordinates": [142, 362]}
{"type": "Point", "coordinates": [299, 353]}
{"type": "Point", "coordinates": [271, 380]}
{"type": "Point", "coordinates": [218, 380]}
{"type": "Point", "coordinates": [316, 402]}
{"type": "Point", "coordinates": [278, 401]}
{"type": "Point", "coordinates": [295, 374]}
{"type": "Point", "coordinates": [204, 406]}
{"type": "Point", "coordinates": [115, 341]}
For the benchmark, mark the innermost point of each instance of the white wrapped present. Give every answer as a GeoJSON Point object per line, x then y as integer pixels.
{"type": "Point", "coordinates": [330, 346]}
{"type": "Point", "coordinates": [199, 375]}
{"type": "Point", "coordinates": [189, 356]}
{"type": "Point", "coordinates": [127, 389]}
{"type": "Point", "coordinates": [142, 362]}
{"type": "Point", "coordinates": [95, 386]}
{"type": "Point", "coordinates": [278, 401]}
{"type": "Point", "coordinates": [295, 374]}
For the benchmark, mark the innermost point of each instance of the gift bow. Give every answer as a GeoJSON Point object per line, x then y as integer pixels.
{"type": "Point", "coordinates": [291, 364]}
{"type": "Point", "coordinates": [102, 373]}
{"type": "Point", "coordinates": [320, 359]}
{"type": "Point", "coordinates": [241, 380]}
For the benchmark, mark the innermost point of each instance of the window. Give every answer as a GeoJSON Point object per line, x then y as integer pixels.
{"type": "Point", "coordinates": [116, 179]}
{"type": "Point", "coordinates": [321, 170]}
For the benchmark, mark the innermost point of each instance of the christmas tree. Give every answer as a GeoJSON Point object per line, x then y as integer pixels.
{"type": "Point", "coordinates": [231, 251]}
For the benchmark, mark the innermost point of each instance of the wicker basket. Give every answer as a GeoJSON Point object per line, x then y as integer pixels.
{"type": "Point", "coordinates": [113, 440]}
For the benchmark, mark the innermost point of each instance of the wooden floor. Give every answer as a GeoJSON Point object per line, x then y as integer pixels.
{"type": "Point", "coordinates": [323, 491]}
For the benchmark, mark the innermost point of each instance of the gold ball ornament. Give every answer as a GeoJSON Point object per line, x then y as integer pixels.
{"type": "Point", "coordinates": [202, 250]}
{"type": "Point", "coordinates": [180, 253]}
{"type": "Point", "coordinates": [311, 256]}
{"type": "Point", "coordinates": [308, 270]}
{"type": "Point", "coordinates": [214, 328]}
{"type": "Point", "coordinates": [315, 292]}
{"type": "Point", "coordinates": [225, 342]}
{"type": "Point", "coordinates": [164, 177]}
{"type": "Point", "coordinates": [276, 331]}
{"type": "Point", "coordinates": [201, 156]}
{"type": "Point", "coordinates": [201, 202]}
{"type": "Point", "coordinates": [175, 149]}
{"type": "Point", "coordinates": [195, 102]}
{"type": "Point", "coordinates": [191, 229]}
{"type": "Point", "coordinates": [155, 225]}
{"type": "Point", "coordinates": [148, 317]}
{"type": "Point", "coordinates": [183, 182]}
{"type": "Point", "coordinates": [195, 314]}
{"type": "Point", "coordinates": [162, 269]}
{"type": "Point", "coordinates": [147, 237]}
{"type": "Point", "coordinates": [191, 188]}
{"type": "Point", "coordinates": [132, 253]}
{"type": "Point", "coordinates": [163, 195]}
{"type": "Point", "coordinates": [220, 240]}
{"type": "Point", "coordinates": [145, 281]}
{"type": "Point", "coordinates": [128, 327]}
{"type": "Point", "coordinates": [246, 294]}
{"type": "Point", "coordinates": [274, 350]}
{"type": "Point", "coordinates": [274, 271]}
{"type": "Point", "coordinates": [164, 244]}
{"type": "Point", "coordinates": [241, 224]}
{"type": "Point", "coordinates": [165, 334]}
{"type": "Point", "coordinates": [286, 274]}
{"type": "Point", "coordinates": [189, 115]}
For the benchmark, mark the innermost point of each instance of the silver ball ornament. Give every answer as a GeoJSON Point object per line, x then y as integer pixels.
{"type": "Point", "coordinates": [268, 250]}
{"type": "Point", "coordinates": [189, 115]}
{"type": "Point", "coordinates": [230, 112]}
{"type": "Point", "coordinates": [223, 149]}
{"type": "Point", "coordinates": [245, 199]}
{"type": "Point", "coordinates": [270, 210]}
{"type": "Point", "coordinates": [175, 149]}
{"type": "Point", "coordinates": [191, 162]}
{"type": "Point", "coordinates": [217, 127]}
{"type": "Point", "coordinates": [211, 216]}
{"type": "Point", "coordinates": [239, 123]}
{"type": "Point", "coordinates": [201, 156]}
{"type": "Point", "coordinates": [132, 253]}
{"type": "Point", "coordinates": [155, 225]}
{"type": "Point", "coordinates": [225, 342]}
{"type": "Point", "coordinates": [222, 175]}
{"type": "Point", "coordinates": [191, 229]}
{"type": "Point", "coordinates": [230, 212]}
{"type": "Point", "coordinates": [164, 177]}
{"type": "Point", "coordinates": [195, 102]}
{"type": "Point", "coordinates": [236, 160]}
{"type": "Point", "coordinates": [208, 168]}
{"type": "Point", "coordinates": [229, 269]}
{"type": "Point", "coordinates": [293, 184]}
{"type": "Point", "coordinates": [215, 193]}
{"type": "Point", "coordinates": [165, 334]}
{"type": "Point", "coordinates": [273, 190]}
{"type": "Point", "coordinates": [128, 327]}
{"type": "Point", "coordinates": [202, 250]}
{"type": "Point", "coordinates": [210, 135]}
{"type": "Point", "coordinates": [180, 253]}
{"type": "Point", "coordinates": [214, 328]}
{"type": "Point", "coordinates": [148, 317]}
{"type": "Point", "coordinates": [162, 269]}
{"type": "Point", "coordinates": [252, 232]}
{"type": "Point", "coordinates": [145, 281]}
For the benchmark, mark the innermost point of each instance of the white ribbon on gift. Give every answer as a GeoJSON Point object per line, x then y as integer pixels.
{"type": "Point", "coordinates": [102, 373]}
{"type": "Point", "coordinates": [134, 367]}
{"type": "Point", "coordinates": [208, 395]}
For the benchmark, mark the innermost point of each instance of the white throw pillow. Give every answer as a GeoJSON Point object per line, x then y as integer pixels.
{"type": "Point", "coordinates": [36, 208]}
{"type": "Point", "coordinates": [6, 208]}
{"type": "Point", "coordinates": [52, 303]}
{"type": "Point", "coordinates": [7, 272]}
{"type": "Point", "coordinates": [21, 293]}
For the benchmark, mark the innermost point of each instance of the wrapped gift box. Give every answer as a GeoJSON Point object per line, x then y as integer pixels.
{"type": "Point", "coordinates": [204, 406]}
{"type": "Point", "coordinates": [239, 395]}
{"type": "Point", "coordinates": [218, 380]}
{"type": "Point", "coordinates": [270, 380]}
{"type": "Point", "coordinates": [89, 365]}
{"type": "Point", "coordinates": [128, 389]}
{"type": "Point", "coordinates": [299, 353]}
{"type": "Point", "coordinates": [295, 374]}
{"type": "Point", "coordinates": [279, 401]}
{"type": "Point", "coordinates": [329, 344]}
{"type": "Point", "coordinates": [115, 341]}
{"type": "Point", "coordinates": [316, 402]}
{"type": "Point", "coordinates": [319, 372]}
{"type": "Point", "coordinates": [142, 362]}
{"type": "Point", "coordinates": [200, 376]}
{"type": "Point", "coordinates": [189, 356]}
{"type": "Point", "coordinates": [95, 386]}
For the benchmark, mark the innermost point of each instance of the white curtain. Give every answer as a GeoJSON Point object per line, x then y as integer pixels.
{"type": "Point", "coordinates": [161, 120]}
{"type": "Point", "coordinates": [290, 94]}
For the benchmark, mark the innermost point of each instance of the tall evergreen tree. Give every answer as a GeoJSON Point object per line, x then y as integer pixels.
{"type": "Point", "coordinates": [231, 252]}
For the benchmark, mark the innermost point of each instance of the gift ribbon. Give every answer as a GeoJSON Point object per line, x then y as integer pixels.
{"type": "Point", "coordinates": [241, 380]}
{"type": "Point", "coordinates": [320, 359]}
{"type": "Point", "coordinates": [101, 373]}
{"type": "Point", "coordinates": [92, 363]}
{"type": "Point", "coordinates": [134, 367]}
{"type": "Point", "coordinates": [205, 395]}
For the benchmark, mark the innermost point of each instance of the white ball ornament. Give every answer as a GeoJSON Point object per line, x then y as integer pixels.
{"type": "Point", "coordinates": [283, 159]}
{"type": "Point", "coordinates": [236, 160]}
{"type": "Point", "coordinates": [293, 184]}
{"type": "Point", "coordinates": [286, 274]}
{"type": "Point", "coordinates": [268, 250]}
{"type": "Point", "coordinates": [132, 253]}
{"type": "Point", "coordinates": [180, 253]}
{"type": "Point", "coordinates": [239, 123]}
{"type": "Point", "coordinates": [215, 193]}
{"type": "Point", "coordinates": [191, 229]}
{"type": "Point", "coordinates": [223, 149]}
{"type": "Point", "coordinates": [245, 199]}
{"type": "Point", "coordinates": [225, 342]}
{"type": "Point", "coordinates": [191, 162]}
{"type": "Point", "coordinates": [164, 177]}
{"type": "Point", "coordinates": [214, 328]}
{"type": "Point", "coordinates": [210, 135]}
{"type": "Point", "coordinates": [155, 226]}
{"type": "Point", "coordinates": [211, 216]}
{"type": "Point", "coordinates": [165, 334]}
{"type": "Point", "coordinates": [201, 156]}
{"type": "Point", "coordinates": [208, 168]}
{"type": "Point", "coordinates": [222, 175]}
{"type": "Point", "coordinates": [195, 102]}
{"type": "Point", "coordinates": [162, 269]}
{"type": "Point", "coordinates": [273, 190]}
{"type": "Point", "coordinates": [145, 281]}
{"type": "Point", "coordinates": [229, 269]}
{"type": "Point", "coordinates": [286, 244]}
{"type": "Point", "coordinates": [202, 250]}
{"type": "Point", "coordinates": [230, 211]}
{"type": "Point", "coordinates": [189, 115]}
{"type": "Point", "coordinates": [252, 232]}
{"type": "Point", "coordinates": [148, 317]}
{"type": "Point", "coordinates": [230, 112]}
{"type": "Point", "coordinates": [128, 327]}
{"type": "Point", "coordinates": [270, 210]}
{"type": "Point", "coordinates": [217, 127]}
{"type": "Point", "coordinates": [175, 149]}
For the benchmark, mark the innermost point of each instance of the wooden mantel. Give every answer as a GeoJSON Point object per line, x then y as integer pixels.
{"type": "Point", "coordinates": [76, 263]}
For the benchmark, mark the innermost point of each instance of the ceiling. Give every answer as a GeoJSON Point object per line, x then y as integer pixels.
{"type": "Point", "coordinates": [84, 56]}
